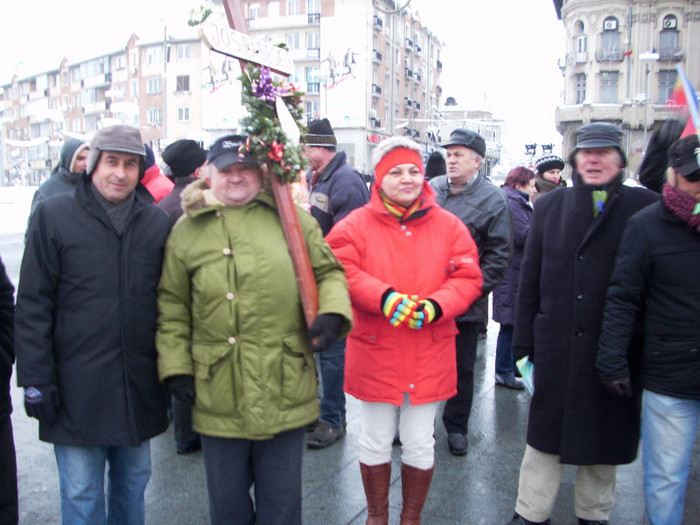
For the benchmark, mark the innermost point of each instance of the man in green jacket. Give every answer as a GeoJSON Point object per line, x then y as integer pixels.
{"type": "Point", "coordinates": [232, 340]}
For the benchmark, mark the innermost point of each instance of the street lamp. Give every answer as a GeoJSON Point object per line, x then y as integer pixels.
{"type": "Point", "coordinates": [646, 59]}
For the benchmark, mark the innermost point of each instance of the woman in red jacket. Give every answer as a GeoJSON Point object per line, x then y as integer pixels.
{"type": "Point", "coordinates": [412, 268]}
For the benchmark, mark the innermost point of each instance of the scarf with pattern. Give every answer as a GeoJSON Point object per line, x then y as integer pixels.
{"type": "Point", "coordinates": [682, 206]}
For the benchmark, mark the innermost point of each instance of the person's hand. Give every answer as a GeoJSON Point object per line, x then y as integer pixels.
{"type": "Point", "coordinates": [42, 402]}
{"type": "Point", "coordinates": [619, 387]}
{"type": "Point", "coordinates": [398, 307]}
{"type": "Point", "coordinates": [427, 312]}
{"type": "Point", "coordinates": [324, 331]}
{"type": "Point", "coordinates": [182, 387]}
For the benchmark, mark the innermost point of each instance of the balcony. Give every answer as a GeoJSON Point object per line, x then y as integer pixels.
{"type": "Point", "coordinates": [375, 122]}
{"type": "Point", "coordinates": [415, 133]}
{"type": "Point", "coordinates": [96, 81]}
{"type": "Point", "coordinates": [94, 107]}
{"type": "Point", "coordinates": [581, 58]}
{"type": "Point", "coordinates": [409, 44]}
{"type": "Point", "coordinates": [416, 106]}
{"type": "Point", "coordinates": [408, 72]}
{"type": "Point", "coordinates": [439, 65]}
{"type": "Point", "coordinates": [417, 78]}
{"type": "Point", "coordinates": [609, 55]}
{"type": "Point", "coordinates": [419, 50]}
{"type": "Point", "coordinates": [407, 103]}
{"type": "Point", "coordinates": [376, 56]}
{"type": "Point", "coordinates": [313, 87]}
{"type": "Point", "coordinates": [671, 53]}
{"type": "Point", "coordinates": [376, 90]}
{"type": "Point", "coordinates": [377, 23]}
{"type": "Point", "coordinates": [314, 18]}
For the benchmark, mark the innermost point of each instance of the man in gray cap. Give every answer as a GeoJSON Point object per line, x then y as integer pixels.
{"type": "Point", "coordinates": [567, 264]}
{"type": "Point", "coordinates": [85, 331]}
{"type": "Point", "coordinates": [484, 209]}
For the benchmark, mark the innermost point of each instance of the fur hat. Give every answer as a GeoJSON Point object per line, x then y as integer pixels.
{"type": "Point", "coordinates": [119, 138]}
{"type": "Point", "coordinates": [183, 157]}
{"type": "Point", "coordinates": [549, 162]}
{"type": "Point", "coordinates": [320, 134]}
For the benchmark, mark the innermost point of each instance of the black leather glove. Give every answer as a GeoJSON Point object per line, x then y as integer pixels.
{"type": "Point", "coordinates": [619, 387]}
{"type": "Point", "coordinates": [324, 331]}
{"type": "Point", "coordinates": [652, 170]}
{"type": "Point", "coordinates": [182, 387]}
{"type": "Point", "coordinates": [42, 402]}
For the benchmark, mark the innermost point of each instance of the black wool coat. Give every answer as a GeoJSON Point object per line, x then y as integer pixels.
{"type": "Point", "coordinates": [7, 343]}
{"type": "Point", "coordinates": [86, 319]}
{"type": "Point", "coordinates": [568, 261]}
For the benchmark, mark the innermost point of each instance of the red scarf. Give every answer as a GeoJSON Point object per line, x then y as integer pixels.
{"type": "Point", "coordinates": [682, 206]}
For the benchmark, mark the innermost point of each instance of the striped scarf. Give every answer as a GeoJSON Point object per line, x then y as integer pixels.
{"type": "Point", "coordinates": [402, 213]}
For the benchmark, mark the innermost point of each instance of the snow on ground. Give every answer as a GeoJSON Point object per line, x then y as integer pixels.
{"type": "Point", "coordinates": [15, 202]}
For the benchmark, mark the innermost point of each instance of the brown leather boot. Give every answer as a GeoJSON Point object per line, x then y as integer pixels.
{"type": "Point", "coordinates": [376, 480]}
{"type": "Point", "coordinates": [415, 484]}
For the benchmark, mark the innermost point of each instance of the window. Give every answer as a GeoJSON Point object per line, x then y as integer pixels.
{"type": "Point", "coordinates": [153, 85]}
{"type": "Point", "coordinates": [183, 83]}
{"type": "Point", "coordinates": [293, 40]}
{"type": "Point", "coordinates": [313, 6]}
{"type": "Point", "coordinates": [154, 55]}
{"type": "Point", "coordinates": [183, 114]}
{"type": "Point", "coordinates": [312, 82]}
{"type": "Point", "coordinates": [580, 87]}
{"type": "Point", "coordinates": [610, 45]}
{"type": "Point", "coordinates": [608, 87]}
{"type": "Point", "coordinates": [273, 8]}
{"type": "Point", "coordinates": [64, 78]}
{"type": "Point", "coordinates": [312, 40]}
{"type": "Point", "coordinates": [183, 51]}
{"type": "Point", "coordinates": [667, 81]}
{"type": "Point", "coordinates": [253, 11]}
{"type": "Point", "coordinates": [292, 7]}
{"type": "Point", "coordinates": [311, 109]}
{"type": "Point", "coordinates": [154, 116]}
{"type": "Point", "coordinates": [668, 41]}
{"type": "Point", "coordinates": [134, 87]}
{"type": "Point", "coordinates": [75, 75]}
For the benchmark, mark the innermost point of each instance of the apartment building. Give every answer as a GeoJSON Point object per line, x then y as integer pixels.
{"type": "Point", "coordinates": [620, 64]}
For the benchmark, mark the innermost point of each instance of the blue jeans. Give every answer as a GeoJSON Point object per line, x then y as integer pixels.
{"type": "Point", "coordinates": [669, 425]}
{"type": "Point", "coordinates": [505, 365]}
{"type": "Point", "coordinates": [81, 473]}
{"type": "Point", "coordinates": [332, 366]}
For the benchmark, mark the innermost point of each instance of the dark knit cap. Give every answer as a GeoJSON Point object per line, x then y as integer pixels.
{"type": "Point", "coordinates": [119, 138]}
{"type": "Point", "coordinates": [467, 138]}
{"type": "Point", "coordinates": [684, 157]}
{"type": "Point", "coordinates": [320, 134]}
{"type": "Point", "coordinates": [183, 157]}
{"type": "Point", "coordinates": [549, 162]}
{"type": "Point", "coordinates": [435, 165]}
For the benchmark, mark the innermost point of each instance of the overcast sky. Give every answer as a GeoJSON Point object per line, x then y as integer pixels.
{"type": "Point", "coordinates": [500, 54]}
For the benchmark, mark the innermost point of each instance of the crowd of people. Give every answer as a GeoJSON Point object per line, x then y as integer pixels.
{"type": "Point", "coordinates": [147, 291]}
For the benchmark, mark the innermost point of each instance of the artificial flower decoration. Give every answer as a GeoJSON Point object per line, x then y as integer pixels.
{"type": "Point", "coordinates": [268, 140]}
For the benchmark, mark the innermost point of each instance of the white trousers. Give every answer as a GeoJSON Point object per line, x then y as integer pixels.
{"type": "Point", "coordinates": [416, 425]}
{"type": "Point", "coordinates": [540, 477]}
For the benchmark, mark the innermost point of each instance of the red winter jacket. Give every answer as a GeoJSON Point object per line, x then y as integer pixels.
{"type": "Point", "coordinates": [431, 255]}
{"type": "Point", "coordinates": [156, 183]}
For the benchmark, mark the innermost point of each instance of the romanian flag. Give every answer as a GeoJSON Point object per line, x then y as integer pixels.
{"type": "Point", "coordinates": [683, 95]}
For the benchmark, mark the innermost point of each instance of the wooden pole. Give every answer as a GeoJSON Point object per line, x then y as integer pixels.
{"type": "Point", "coordinates": [306, 280]}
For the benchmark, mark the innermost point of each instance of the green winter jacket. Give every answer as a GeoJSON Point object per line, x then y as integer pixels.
{"type": "Point", "coordinates": [230, 314]}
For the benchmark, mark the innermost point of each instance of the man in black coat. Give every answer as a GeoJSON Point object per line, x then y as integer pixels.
{"type": "Point", "coordinates": [335, 190]}
{"type": "Point", "coordinates": [8, 461]}
{"type": "Point", "coordinates": [568, 260]}
{"type": "Point", "coordinates": [655, 277]}
{"type": "Point", "coordinates": [85, 331]}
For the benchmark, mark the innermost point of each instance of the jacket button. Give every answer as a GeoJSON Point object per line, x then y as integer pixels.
{"type": "Point", "coordinates": [411, 386]}
{"type": "Point", "coordinates": [579, 296]}
{"type": "Point", "coordinates": [408, 234]}
{"type": "Point", "coordinates": [226, 251]}
{"type": "Point", "coordinates": [693, 350]}
{"type": "Point", "coordinates": [218, 213]}
{"type": "Point", "coordinates": [232, 340]}
{"type": "Point", "coordinates": [230, 296]}
{"type": "Point", "coordinates": [579, 333]}
{"type": "Point", "coordinates": [579, 257]}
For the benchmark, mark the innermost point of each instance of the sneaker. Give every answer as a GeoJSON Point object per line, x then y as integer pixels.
{"type": "Point", "coordinates": [458, 443]}
{"type": "Point", "coordinates": [324, 435]}
{"type": "Point", "coordinates": [189, 447]}
{"type": "Point", "coordinates": [509, 382]}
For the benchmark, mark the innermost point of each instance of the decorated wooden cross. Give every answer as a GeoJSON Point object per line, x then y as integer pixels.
{"type": "Point", "coordinates": [230, 37]}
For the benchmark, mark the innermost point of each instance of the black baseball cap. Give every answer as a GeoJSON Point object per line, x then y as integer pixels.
{"type": "Point", "coordinates": [684, 157]}
{"type": "Point", "coordinates": [227, 150]}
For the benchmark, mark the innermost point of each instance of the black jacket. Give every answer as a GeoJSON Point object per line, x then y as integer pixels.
{"type": "Point", "coordinates": [484, 209]}
{"type": "Point", "coordinates": [656, 275]}
{"type": "Point", "coordinates": [171, 203]}
{"type": "Point", "coordinates": [7, 355]}
{"type": "Point", "coordinates": [86, 319]}
{"type": "Point", "coordinates": [569, 257]}
{"type": "Point", "coordinates": [339, 190]}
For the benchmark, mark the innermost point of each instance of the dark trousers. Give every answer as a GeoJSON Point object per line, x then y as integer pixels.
{"type": "Point", "coordinates": [455, 416]}
{"type": "Point", "coordinates": [8, 475]}
{"type": "Point", "coordinates": [271, 466]}
{"type": "Point", "coordinates": [182, 422]}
